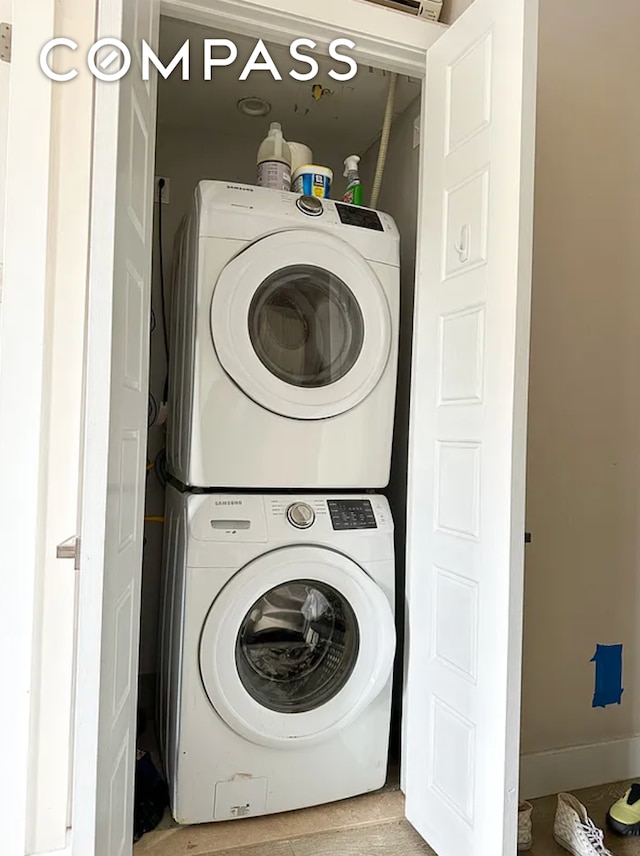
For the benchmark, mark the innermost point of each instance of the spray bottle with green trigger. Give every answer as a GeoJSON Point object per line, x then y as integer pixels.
{"type": "Point", "coordinates": [353, 193]}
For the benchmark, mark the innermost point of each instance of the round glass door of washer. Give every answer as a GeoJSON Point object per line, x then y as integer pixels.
{"type": "Point", "coordinates": [296, 645]}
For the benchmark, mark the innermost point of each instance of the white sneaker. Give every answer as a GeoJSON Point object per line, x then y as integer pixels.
{"type": "Point", "coordinates": [575, 831]}
{"type": "Point", "coordinates": [525, 838]}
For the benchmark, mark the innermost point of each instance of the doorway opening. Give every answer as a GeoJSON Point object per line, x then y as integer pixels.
{"type": "Point", "coordinates": [212, 131]}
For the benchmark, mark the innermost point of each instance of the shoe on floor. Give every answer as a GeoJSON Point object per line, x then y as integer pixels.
{"type": "Point", "coordinates": [574, 830]}
{"type": "Point", "coordinates": [623, 817]}
{"type": "Point", "coordinates": [525, 838]}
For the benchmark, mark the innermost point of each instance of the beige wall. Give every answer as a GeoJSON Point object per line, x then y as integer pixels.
{"type": "Point", "coordinates": [582, 580]}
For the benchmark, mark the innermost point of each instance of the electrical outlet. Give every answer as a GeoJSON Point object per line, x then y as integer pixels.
{"type": "Point", "coordinates": [416, 132]}
{"type": "Point", "coordinates": [166, 190]}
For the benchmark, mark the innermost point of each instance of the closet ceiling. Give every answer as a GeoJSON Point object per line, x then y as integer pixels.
{"type": "Point", "coordinates": [353, 110]}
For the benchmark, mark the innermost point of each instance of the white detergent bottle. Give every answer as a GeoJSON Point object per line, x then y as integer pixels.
{"type": "Point", "coordinates": [274, 160]}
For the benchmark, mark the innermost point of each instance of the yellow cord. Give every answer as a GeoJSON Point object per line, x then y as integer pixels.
{"type": "Point", "coordinates": [154, 519]}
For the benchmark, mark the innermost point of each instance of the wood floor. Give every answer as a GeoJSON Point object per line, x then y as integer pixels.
{"type": "Point", "coordinates": [597, 800]}
{"type": "Point", "coordinates": [263, 835]}
{"type": "Point", "coordinates": [396, 837]}
{"type": "Point", "coordinates": [364, 826]}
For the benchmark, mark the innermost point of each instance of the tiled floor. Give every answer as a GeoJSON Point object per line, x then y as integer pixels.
{"type": "Point", "coordinates": [364, 826]}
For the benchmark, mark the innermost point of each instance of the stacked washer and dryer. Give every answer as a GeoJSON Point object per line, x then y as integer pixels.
{"type": "Point", "coordinates": [277, 630]}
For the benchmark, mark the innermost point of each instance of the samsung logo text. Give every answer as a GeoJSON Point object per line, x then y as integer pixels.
{"type": "Point", "coordinates": [110, 59]}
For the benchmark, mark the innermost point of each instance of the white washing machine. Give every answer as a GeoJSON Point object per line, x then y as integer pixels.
{"type": "Point", "coordinates": [277, 648]}
{"type": "Point", "coordinates": [284, 340]}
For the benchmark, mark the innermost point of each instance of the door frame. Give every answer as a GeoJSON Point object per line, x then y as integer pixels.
{"type": "Point", "coordinates": [403, 50]}
{"type": "Point", "coordinates": [24, 333]}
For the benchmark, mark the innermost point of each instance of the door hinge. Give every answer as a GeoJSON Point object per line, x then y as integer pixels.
{"type": "Point", "coordinates": [6, 31]}
{"type": "Point", "coordinates": [70, 549]}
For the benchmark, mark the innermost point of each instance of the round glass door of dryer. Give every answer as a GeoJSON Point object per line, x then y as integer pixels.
{"type": "Point", "coordinates": [306, 326]}
{"type": "Point", "coordinates": [301, 324]}
{"type": "Point", "coordinates": [296, 645]}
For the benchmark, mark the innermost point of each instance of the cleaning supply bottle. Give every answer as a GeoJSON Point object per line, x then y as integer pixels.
{"type": "Point", "coordinates": [300, 155]}
{"type": "Point", "coordinates": [353, 193]}
{"type": "Point", "coordinates": [274, 160]}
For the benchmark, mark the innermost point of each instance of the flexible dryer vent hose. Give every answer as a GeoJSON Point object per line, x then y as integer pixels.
{"type": "Point", "coordinates": [384, 141]}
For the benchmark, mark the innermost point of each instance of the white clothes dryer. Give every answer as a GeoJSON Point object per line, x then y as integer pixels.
{"type": "Point", "coordinates": [284, 340]}
{"type": "Point", "coordinates": [277, 647]}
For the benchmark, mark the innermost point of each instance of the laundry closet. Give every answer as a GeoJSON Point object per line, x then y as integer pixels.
{"type": "Point", "coordinates": [457, 185]}
{"type": "Point", "coordinates": [212, 131]}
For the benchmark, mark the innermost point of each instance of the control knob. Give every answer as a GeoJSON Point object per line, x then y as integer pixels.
{"type": "Point", "coordinates": [300, 515]}
{"type": "Point", "coordinates": [311, 205]}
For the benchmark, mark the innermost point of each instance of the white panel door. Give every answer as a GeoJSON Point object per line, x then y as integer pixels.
{"type": "Point", "coordinates": [112, 501]}
{"type": "Point", "coordinates": [467, 441]}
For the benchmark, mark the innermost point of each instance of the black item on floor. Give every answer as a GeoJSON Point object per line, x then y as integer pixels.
{"type": "Point", "coordinates": [151, 796]}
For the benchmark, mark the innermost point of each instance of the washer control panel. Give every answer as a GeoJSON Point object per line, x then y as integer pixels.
{"type": "Point", "coordinates": [313, 517]}
{"type": "Point", "coordinates": [351, 514]}
{"type": "Point", "coordinates": [301, 515]}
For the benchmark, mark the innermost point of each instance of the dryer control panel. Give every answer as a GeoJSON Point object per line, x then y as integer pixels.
{"type": "Point", "coordinates": [365, 218]}
{"type": "Point", "coordinates": [246, 212]}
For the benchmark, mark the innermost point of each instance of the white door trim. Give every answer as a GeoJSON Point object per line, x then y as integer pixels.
{"type": "Point", "coordinates": [23, 352]}
{"type": "Point", "coordinates": [402, 48]}
{"type": "Point", "coordinates": [114, 442]}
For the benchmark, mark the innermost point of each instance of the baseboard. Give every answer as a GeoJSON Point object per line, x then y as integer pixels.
{"type": "Point", "coordinates": [544, 773]}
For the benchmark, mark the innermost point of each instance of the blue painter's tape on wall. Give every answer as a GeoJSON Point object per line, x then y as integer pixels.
{"type": "Point", "coordinates": [608, 688]}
